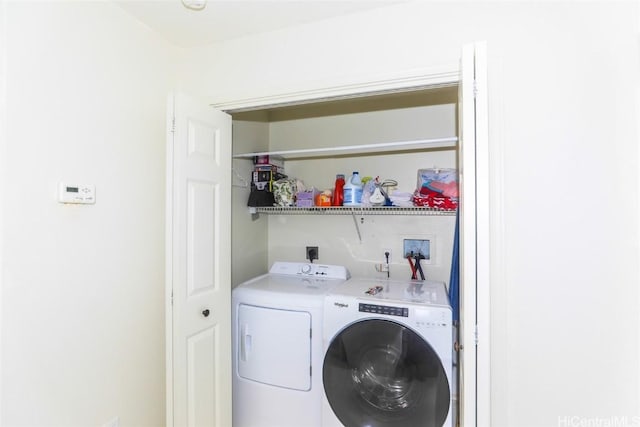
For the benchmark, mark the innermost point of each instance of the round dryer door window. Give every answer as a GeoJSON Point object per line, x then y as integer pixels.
{"type": "Point", "coordinates": [379, 373]}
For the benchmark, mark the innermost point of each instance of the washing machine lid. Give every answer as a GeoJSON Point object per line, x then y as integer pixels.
{"type": "Point", "coordinates": [414, 291]}
{"type": "Point", "coordinates": [379, 373]}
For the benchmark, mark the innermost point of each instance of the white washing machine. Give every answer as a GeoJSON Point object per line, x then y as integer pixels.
{"type": "Point", "coordinates": [388, 355]}
{"type": "Point", "coordinates": [277, 345]}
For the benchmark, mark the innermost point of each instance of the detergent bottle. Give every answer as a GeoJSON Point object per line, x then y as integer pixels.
{"type": "Point", "coordinates": [338, 191]}
{"type": "Point", "coordinates": [353, 191]}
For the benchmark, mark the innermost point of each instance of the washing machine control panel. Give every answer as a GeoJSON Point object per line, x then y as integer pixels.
{"type": "Point", "coordinates": [384, 309]}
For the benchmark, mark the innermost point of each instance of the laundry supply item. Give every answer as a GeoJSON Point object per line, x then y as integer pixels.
{"type": "Point", "coordinates": [375, 193]}
{"type": "Point", "coordinates": [337, 198]}
{"type": "Point", "coordinates": [401, 199]}
{"type": "Point", "coordinates": [324, 198]}
{"type": "Point", "coordinates": [377, 198]}
{"type": "Point", "coordinates": [306, 199]}
{"type": "Point", "coordinates": [284, 191]}
{"type": "Point", "coordinates": [353, 191]}
{"type": "Point", "coordinates": [368, 189]}
{"type": "Point", "coordinates": [437, 188]}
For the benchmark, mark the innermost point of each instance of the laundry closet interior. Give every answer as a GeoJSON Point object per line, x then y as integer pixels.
{"type": "Point", "coordinates": [390, 127]}
{"type": "Point", "coordinates": [388, 137]}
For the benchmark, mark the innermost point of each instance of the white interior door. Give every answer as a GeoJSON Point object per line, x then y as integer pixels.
{"type": "Point", "coordinates": [474, 239]}
{"type": "Point", "coordinates": [199, 265]}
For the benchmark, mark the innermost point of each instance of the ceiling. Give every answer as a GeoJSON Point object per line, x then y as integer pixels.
{"type": "Point", "coordinates": [228, 19]}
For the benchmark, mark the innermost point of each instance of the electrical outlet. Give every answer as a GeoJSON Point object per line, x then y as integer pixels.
{"type": "Point", "coordinates": [384, 255]}
{"type": "Point", "coordinates": [312, 253]}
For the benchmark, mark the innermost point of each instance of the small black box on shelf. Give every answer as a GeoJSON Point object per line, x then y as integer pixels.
{"type": "Point", "coordinates": [260, 198]}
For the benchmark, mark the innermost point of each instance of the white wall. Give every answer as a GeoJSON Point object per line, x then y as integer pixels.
{"type": "Point", "coordinates": [564, 164]}
{"type": "Point", "coordinates": [249, 233]}
{"type": "Point", "coordinates": [83, 286]}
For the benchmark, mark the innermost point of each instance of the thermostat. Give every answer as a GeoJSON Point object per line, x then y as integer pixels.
{"type": "Point", "coordinates": [77, 194]}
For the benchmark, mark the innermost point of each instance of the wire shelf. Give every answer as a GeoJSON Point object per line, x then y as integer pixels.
{"type": "Point", "coordinates": [355, 210]}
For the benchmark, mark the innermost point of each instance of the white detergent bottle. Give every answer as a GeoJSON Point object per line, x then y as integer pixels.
{"type": "Point", "coordinates": [353, 191]}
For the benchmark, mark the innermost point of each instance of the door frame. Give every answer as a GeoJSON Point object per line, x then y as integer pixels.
{"type": "Point", "coordinates": [477, 411]}
{"type": "Point", "coordinates": [168, 249]}
{"type": "Point", "coordinates": [3, 145]}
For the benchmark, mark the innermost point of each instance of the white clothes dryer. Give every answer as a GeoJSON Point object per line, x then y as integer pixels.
{"type": "Point", "coordinates": [388, 355]}
{"type": "Point", "coordinates": [277, 345]}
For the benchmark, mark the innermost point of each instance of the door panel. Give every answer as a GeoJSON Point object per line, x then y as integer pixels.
{"type": "Point", "coordinates": [204, 140]}
{"type": "Point", "coordinates": [199, 270]}
{"type": "Point", "coordinates": [201, 374]}
{"type": "Point", "coordinates": [201, 237]}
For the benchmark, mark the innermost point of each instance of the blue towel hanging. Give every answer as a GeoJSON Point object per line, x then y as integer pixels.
{"type": "Point", "coordinates": [454, 279]}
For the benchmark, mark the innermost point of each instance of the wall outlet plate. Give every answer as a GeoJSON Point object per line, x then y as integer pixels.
{"type": "Point", "coordinates": [417, 246]}
{"type": "Point", "coordinates": [312, 253]}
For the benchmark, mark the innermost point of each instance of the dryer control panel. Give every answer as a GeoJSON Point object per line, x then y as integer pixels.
{"type": "Point", "coordinates": [310, 270]}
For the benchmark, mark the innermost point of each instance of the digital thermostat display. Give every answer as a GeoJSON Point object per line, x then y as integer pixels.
{"type": "Point", "coordinates": [77, 194]}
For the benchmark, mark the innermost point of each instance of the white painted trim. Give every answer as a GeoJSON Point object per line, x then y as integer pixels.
{"type": "Point", "coordinates": [638, 137]}
{"type": "Point", "coordinates": [499, 257]}
{"type": "Point", "coordinates": [168, 239]}
{"type": "Point", "coordinates": [468, 242]}
{"type": "Point", "coordinates": [3, 142]}
{"type": "Point", "coordinates": [365, 86]}
{"type": "Point", "coordinates": [483, 237]}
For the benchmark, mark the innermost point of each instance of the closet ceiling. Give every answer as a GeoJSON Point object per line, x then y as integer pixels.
{"type": "Point", "coordinates": [224, 20]}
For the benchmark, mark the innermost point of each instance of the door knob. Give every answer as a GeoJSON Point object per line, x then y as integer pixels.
{"type": "Point", "coordinates": [206, 312]}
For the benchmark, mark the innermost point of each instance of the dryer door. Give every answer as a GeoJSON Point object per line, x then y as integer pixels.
{"type": "Point", "coordinates": [379, 373]}
{"type": "Point", "coordinates": [274, 346]}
